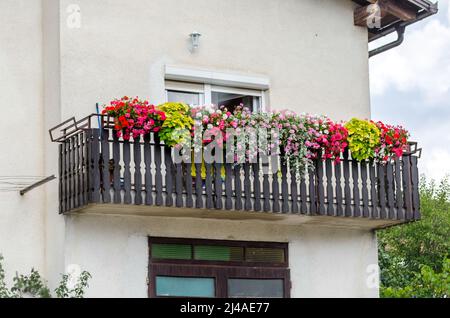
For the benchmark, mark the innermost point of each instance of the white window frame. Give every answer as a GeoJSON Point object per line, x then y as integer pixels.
{"type": "Point", "coordinates": [204, 82]}
{"type": "Point", "coordinates": [205, 94]}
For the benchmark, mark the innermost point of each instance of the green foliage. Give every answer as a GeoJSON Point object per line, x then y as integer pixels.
{"type": "Point", "coordinates": [177, 126]}
{"type": "Point", "coordinates": [411, 256]}
{"type": "Point", "coordinates": [4, 292]}
{"type": "Point", "coordinates": [30, 285]}
{"type": "Point", "coordinates": [33, 285]}
{"type": "Point", "coordinates": [426, 284]}
{"type": "Point", "coordinates": [363, 138]}
{"type": "Point", "coordinates": [78, 291]}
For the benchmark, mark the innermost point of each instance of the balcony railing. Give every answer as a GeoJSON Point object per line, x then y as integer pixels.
{"type": "Point", "coordinates": [97, 167]}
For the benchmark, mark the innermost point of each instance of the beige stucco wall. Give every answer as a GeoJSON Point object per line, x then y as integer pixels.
{"type": "Point", "coordinates": [324, 262]}
{"type": "Point", "coordinates": [314, 56]}
{"type": "Point", "coordinates": [22, 219]}
{"type": "Point", "coordinates": [316, 61]}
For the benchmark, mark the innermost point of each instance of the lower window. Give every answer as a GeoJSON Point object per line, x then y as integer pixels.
{"type": "Point", "coordinates": [207, 268]}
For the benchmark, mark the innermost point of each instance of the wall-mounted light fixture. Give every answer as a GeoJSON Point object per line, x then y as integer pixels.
{"type": "Point", "coordinates": [195, 40]}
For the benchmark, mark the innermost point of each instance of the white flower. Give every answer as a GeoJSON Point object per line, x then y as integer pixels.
{"type": "Point", "coordinates": [199, 115]}
{"type": "Point", "coordinates": [219, 111]}
{"type": "Point", "coordinates": [225, 116]}
{"type": "Point", "coordinates": [210, 126]}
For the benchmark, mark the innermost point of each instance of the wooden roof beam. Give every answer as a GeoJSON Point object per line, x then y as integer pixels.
{"type": "Point", "coordinates": [363, 14]}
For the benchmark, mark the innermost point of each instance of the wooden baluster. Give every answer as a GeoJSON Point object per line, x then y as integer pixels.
{"type": "Point", "coordinates": [390, 190]}
{"type": "Point", "coordinates": [247, 187]}
{"type": "Point", "coordinates": [105, 157]}
{"type": "Point", "coordinates": [74, 172]}
{"type": "Point", "coordinates": [373, 191]}
{"type": "Point", "coordinates": [312, 191]}
{"type": "Point", "coordinates": [256, 186]}
{"type": "Point", "coordinates": [158, 171]}
{"type": "Point", "coordinates": [266, 187]}
{"type": "Point", "coordinates": [95, 172]}
{"type": "Point", "coordinates": [148, 170]}
{"type": "Point", "coordinates": [338, 176]}
{"type": "Point", "coordinates": [116, 173]}
{"type": "Point", "coordinates": [415, 187]}
{"type": "Point", "coordinates": [198, 186]}
{"type": "Point", "coordinates": [85, 166]}
{"type": "Point", "coordinates": [127, 172]}
{"type": "Point", "coordinates": [398, 189]}
{"type": "Point", "coordinates": [320, 188]}
{"type": "Point", "coordinates": [70, 173]}
{"type": "Point", "coordinates": [61, 178]}
{"type": "Point", "coordinates": [137, 171]}
{"type": "Point", "coordinates": [67, 175]}
{"type": "Point", "coordinates": [303, 194]}
{"type": "Point", "coordinates": [365, 191]}
{"type": "Point", "coordinates": [347, 192]}
{"type": "Point", "coordinates": [356, 197]}
{"type": "Point", "coordinates": [169, 175]}
{"type": "Point", "coordinates": [382, 190]}
{"type": "Point", "coordinates": [218, 185]}
{"type": "Point", "coordinates": [275, 186]}
{"type": "Point", "coordinates": [237, 187]}
{"type": "Point", "coordinates": [407, 187]}
{"type": "Point", "coordinates": [294, 190]}
{"type": "Point", "coordinates": [80, 168]}
{"type": "Point", "coordinates": [209, 186]}
{"type": "Point", "coordinates": [188, 177]}
{"type": "Point", "coordinates": [330, 195]}
{"type": "Point", "coordinates": [284, 187]}
{"type": "Point", "coordinates": [228, 184]}
{"type": "Point", "coordinates": [179, 184]}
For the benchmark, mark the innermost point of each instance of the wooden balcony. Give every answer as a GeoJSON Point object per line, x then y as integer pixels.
{"type": "Point", "coordinates": [100, 173]}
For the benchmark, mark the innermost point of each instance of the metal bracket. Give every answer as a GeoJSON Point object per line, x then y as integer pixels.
{"type": "Point", "coordinates": [37, 184]}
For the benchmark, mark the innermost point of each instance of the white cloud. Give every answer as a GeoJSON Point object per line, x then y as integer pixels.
{"type": "Point", "coordinates": [411, 84]}
{"type": "Point", "coordinates": [421, 63]}
{"type": "Point", "coordinates": [448, 11]}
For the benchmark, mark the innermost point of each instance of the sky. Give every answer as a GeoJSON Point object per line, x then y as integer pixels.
{"type": "Point", "coordinates": [410, 86]}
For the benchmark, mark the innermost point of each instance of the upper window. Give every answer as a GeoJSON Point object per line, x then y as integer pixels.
{"type": "Point", "coordinates": [198, 94]}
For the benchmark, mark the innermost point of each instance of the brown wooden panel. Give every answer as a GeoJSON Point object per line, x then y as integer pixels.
{"type": "Point", "coordinates": [407, 187]}
{"type": "Point", "coordinates": [347, 192]}
{"type": "Point", "coordinates": [338, 176]}
{"type": "Point", "coordinates": [320, 188]}
{"type": "Point", "coordinates": [382, 190]}
{"type": "Point", "coordinates": [148, 170]}
{"type": "Point", "coordinates": [330, 194]}
{"type": "Point", "coordinates": [390, 190]}
{"type": "Point", "coordinates": [105, 167]}
{"type": "Point", "coordinates": [415, 188]}
{"type": "Point", "coordinates": [170, 175]}
{"type": "Point", "coordinates": [116, 172]}
{"type": "Point", "coordinates": [137, 170]}
{"type": "Point", "coordinates": [256, 187]}
{"type": "Point", "coordinates": [95, 160]}
{"type": "Point", "coordinates": [398, 189]}
{"type": "Point", "coordinates": [126, 171]}
{"type": "Point", "coordinates": [364, 190]}
{"type": "Point", "coordinates": [158, 172]}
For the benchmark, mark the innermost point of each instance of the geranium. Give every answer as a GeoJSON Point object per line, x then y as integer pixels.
{"type": "Point", "coordinates": [293, 137]}
{"type": "Point", "coordinates": [326, 138]}
{"type": "Point", "coordinates": [134, 117]}
{"type": "Point", "coordinates": [393, 142]}
{"type": "Point", "coordinates": [212, 123]}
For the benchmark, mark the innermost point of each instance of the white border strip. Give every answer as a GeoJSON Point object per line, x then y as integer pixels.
{"type": "Point", "coordinates": [216, 78]}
